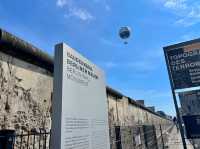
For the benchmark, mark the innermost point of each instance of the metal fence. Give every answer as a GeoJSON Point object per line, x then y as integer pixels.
{"type": "Point", "coordinates": [121, 137]}
{"type": "Point", "coordinates": [139, 137]}
{"type": "Point", "coordinates": [29, 140]}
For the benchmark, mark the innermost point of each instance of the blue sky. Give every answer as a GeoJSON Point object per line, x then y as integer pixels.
{"type": "Point", "coordinates": [91, 27]}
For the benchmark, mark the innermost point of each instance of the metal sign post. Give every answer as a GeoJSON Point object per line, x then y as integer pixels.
{"type": "Point", "coordinates": [177, 112]}
{"type": "Point", "coordinates": [179, 119]}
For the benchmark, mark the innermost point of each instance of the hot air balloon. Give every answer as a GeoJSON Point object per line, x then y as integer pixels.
{"type": "Point", "coordinates": [125, 33]}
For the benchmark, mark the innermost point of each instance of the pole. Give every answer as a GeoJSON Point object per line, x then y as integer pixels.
{"type": "Point", "coordinates": [179, 119]}
{"type": "Point", "coordinates": [163, 144]}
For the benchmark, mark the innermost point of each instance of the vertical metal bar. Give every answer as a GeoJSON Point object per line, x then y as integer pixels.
{"type": "Point", "coordinates": [118, 137]}
{"type": "Point", "coordinates": [39, 138]}
{"type": "Point", "coordinates": [21, 139]}
{"type": "Point", "coordinates": [13, 137]}
{"type": "Point", "coordinates": [179, 120]}
{"type": "Point", "coordinates": [42, 139]}
{"type": "Point", "coordinates": [27, 143]}
{"type": "Point", "coordinates": [155, 138]}
{"type": "Point", "coordinates": [163, 144]}
{"type": "Point", "coordinates": [34, 140]}
{"type": "Point", "coordinates": [145, 137]}
{"type": "Point", "coordinates": [42, 135]}
{"type": "Point", "coordinates": [175, 102]}
{"type": "Point", "coordinates": [49, 138]}
{"type": "Point", "coordinates": [45, 139]}
{"type": "Point", "coordinates": [140, 134]}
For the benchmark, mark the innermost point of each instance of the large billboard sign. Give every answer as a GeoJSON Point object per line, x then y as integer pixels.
{"type": "Point", "coordinates": [184, 64]}
{"type": "Point", "coordinates": [80, 114]}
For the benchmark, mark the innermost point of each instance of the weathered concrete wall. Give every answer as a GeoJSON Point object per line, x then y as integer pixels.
{"type": "Point", "coordinates": [26, 92]}
{"type": "Point", "coordinates": [25, 95]}
{"type": "Point", "coordinates": [124, 113]}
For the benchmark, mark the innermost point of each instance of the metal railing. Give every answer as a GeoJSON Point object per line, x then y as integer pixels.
{"type": "Point", "coordinates": [121, 137]}
{"type": "Point", "coordinates": [29, 140]}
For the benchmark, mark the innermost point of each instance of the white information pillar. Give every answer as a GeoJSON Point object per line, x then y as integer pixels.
{"type": "Point", "coordinates": [80, 114]}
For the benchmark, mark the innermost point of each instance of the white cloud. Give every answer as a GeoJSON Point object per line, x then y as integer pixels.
{"type": "Point", "coordinates": [80, 13]}
{"type": "Point", "coordinates": [186, 22]}
{"type": "Point", "coordinates": [104, 3]}
{"type": "Point", "coordinates": [188, 11]}
{"type": "Point", "coordinates": [61, 3]}
{"type": "Point", "coordinates": [72, 10]}
{"type": "Point", "coordinates": [175, 4]}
